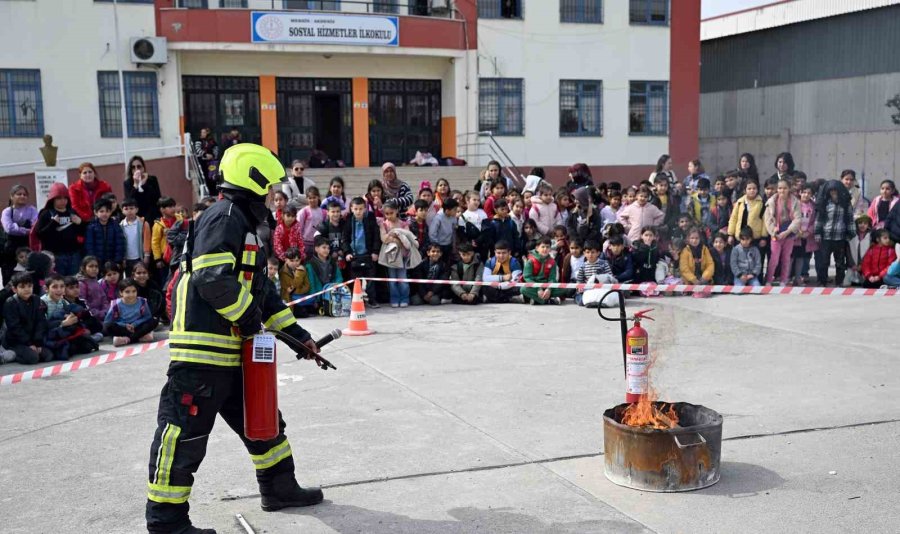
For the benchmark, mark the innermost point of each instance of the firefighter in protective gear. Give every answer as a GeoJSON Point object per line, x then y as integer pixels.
{"type": "Point", "coordinates": [222, 296]}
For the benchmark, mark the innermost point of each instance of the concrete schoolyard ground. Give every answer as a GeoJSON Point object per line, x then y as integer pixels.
{"type": "Point", "coordinates": [489, 420]}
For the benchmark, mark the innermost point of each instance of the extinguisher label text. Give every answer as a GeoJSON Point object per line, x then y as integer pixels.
{"type": "Point", "coordinates": [264, 348]}
{"type": "Point", "coordinates": [637, 346]}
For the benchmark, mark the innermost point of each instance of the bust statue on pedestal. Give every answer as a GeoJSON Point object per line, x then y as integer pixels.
{"type": "Point", "coordinates": [49, 151]}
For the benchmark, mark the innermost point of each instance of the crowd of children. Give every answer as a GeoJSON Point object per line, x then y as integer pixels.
{"type": "Point", "coordinates": [74, 278]}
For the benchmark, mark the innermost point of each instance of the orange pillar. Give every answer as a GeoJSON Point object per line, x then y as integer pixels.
{"type": "Point", "coordinates": [360, 122]}
{"type": "Point", "coordinates": [448, 137]}
{"type": "Point", "coordinates": [268, 115]}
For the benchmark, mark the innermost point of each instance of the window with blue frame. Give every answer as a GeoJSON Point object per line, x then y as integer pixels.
{"type": "Point", "coordinates": [583, 11]}
{"type": "Point", "coordinates": [233, 4]}
{"type": "Point", "coordinates": [580, 108]}
{"type": "Point", "coordinates": [648, 108]}
{"type": "Point", "coordinates": [192, 4]}
{"type": "Point", "coordinates": [386, 6]}
{"type": "Point", "coordinates": [21, 106]}
{"type": "Point", "coordinates": [500, 106]}
{"type": "Point", "coordinates": [319, 5]}
{"type": "Point", "coordinates": [499, 9]}
{"type": "Point", "coordinates": [141, 104]}
{"type": "Point", "coordinates": [649, 12]}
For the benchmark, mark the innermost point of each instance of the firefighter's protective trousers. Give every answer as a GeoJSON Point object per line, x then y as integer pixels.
{"type": "Point", "coordinates": [222, 280]}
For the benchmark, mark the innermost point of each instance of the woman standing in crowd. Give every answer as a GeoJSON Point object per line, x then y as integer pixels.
{"type": "Point", "coordinates": [784, 167]}
{"type": "Point", "coordinates": [579, 176]}
{"type": "Point", "coordinates": [296, 185]}
{"type": "Point", "coordinates": [18, 220]}
{"type": "Point", "coordinates": [491, 173]}
{"type": "Point", "coordinates": [85, 191]}
{"type": "Point", "coordinates": [883, 203]}
{"type": "Point", "coordinates": [143, 188]}
{"type": "Point", "coordinates": [747, 165]}
{"type": "Point", "coordinates": [60, 229]}
{"type": "Point", "coordinates": [695, 172]}
{"type": "Point", "coordinates": [858, 202]}
{"type": "Point", "coordinates": [664, 167]}
{"type": "Point", "coordinates": [394, 188]}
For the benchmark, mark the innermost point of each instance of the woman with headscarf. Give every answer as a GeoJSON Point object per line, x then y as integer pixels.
{"type": "Point", "coordinates": [395, 188]}
{"type": "Point", "coordinates": [584, 223]}
{"type": "Point", "coordinates": [87, 190]}
{"type": "Point", "coordinates": [143, 188]}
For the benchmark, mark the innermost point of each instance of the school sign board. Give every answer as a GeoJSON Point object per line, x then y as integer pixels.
{"type": "Point", "coordinates": [324, 28]}
{"type": "Point", "coordinates": [44, 178]}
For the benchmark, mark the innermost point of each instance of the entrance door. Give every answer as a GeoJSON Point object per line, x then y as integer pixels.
{"type": "Point", "coordinates": [405, 117]}
{"type": "Point", "coordinates": [328, 124]}
{"type": "Point", "coordinates": [314, 114]}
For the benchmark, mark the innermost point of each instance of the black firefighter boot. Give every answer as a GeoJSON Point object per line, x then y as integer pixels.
{"type": "Point", "coordinates": [283, 491]}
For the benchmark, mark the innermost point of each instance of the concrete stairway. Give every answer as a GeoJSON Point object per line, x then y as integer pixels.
{"type": "Point", "coordinates": [356, 179]}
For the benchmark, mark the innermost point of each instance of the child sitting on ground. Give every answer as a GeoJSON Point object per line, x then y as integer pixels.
{"type": "Point", "coordinates": [540, 268]}
{"type": "Point", "coordinates": [66, 336]}
{"type": "Point", "coordinates": [26, 324]}
{"type": "Point", "coordinates": [129, 319]}
{"type": "Point", "coordinates": [502, 269]}
{"type": "Point", "coordinates": [619, 259]}
{"type": "Point", "coordinates": [294, 282]}
{"type": "Point", "coordinates": [878, 259]}
{"type": "Point", "coordinates": [560, 242]}
{"type": "Point", "coordinates": [645, 256]}
{"type": "Point", "coordinates": [466, 269]}
{"type": "Point", "coordinates": [696, 263]}
{"type": "Point", "coordinates": [80, 309]}
{"type": "Point", "coordinates": [571, 262]}
{"type": "Point", "coordinates": [594, 270]}
{"type": "Point", "coordinates": [433, 268]}
{"type": "Point", "coordinates": [745, 260]}
{"type": "Point", "coordinates": [859, 246]}
{"type": "Point", "coordinates": [110, 283]}
{"type": "Point", "coordinates": [721, 255]}
{"type": "Point", "coordinates": [89, 288]}
{"type": "Point", "coordinates": [150, 291]}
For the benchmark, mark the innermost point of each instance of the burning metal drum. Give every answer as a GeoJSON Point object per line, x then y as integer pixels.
{"type": "Point", "coordinates": [682, 458]}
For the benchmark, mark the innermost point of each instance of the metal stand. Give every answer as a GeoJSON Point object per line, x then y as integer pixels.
{"type": "Point", "coordinates": [622, 319]}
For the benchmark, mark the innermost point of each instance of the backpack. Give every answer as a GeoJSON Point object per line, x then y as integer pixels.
{"type": "Point", "coordinates": [536, 266]}
{"type": "Point", "coordinates": [336, 303]}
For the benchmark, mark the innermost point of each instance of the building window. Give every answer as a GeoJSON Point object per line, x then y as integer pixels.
{"type": "Point", "coordinates": [140, 104]}
{"type": "Point", "coordinates": [584, 11]}
{"type": "Point", "coordinates": [500, 9]}
{"type": "Point", "coordinates": [192, 4]}
{"type": "Point", "coordinates": [21, 107]}
{"type": "Point", "coordinates": [500, 105]}
{"type": "Point", "coordinates": [649, 12]}
{"type": "Point", "coordinates": [648, 108]}
{"type": "Point", "coordinates": [386, 6]}
{"type": "Point", "coordinates": [320, 5]}
{"type": "Point", "coordinates": [580, 108]}
{"type": "Point", "coordinates": [128, 1]}
{"type": "Point", "coordinates": [233, 4]}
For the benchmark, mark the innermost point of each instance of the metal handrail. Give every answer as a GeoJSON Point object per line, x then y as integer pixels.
{"type": "Point", "coordinates": [370, 7]}
{"type": "Point", "coordinates": [495, 152]}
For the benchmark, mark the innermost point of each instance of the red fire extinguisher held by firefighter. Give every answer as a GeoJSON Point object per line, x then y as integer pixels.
{"type": "Point", "coordinates": [637, 359]}
{"type": "Point", "coordinates": [258, 364]}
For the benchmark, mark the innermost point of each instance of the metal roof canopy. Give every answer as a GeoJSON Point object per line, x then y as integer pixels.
{"type": "Point", "coordinates": [782, 13]}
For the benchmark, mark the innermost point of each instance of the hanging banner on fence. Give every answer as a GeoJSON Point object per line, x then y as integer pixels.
{"type": "Point", "coordinates": [43, 179]}
{"type": "Point", "coordinates": [324, 28]}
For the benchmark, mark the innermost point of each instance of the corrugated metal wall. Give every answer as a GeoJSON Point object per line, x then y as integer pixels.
{"type": "Point", "coordinates": [829, 106]}
{"type": "Point", "coordinates": [855, 44]}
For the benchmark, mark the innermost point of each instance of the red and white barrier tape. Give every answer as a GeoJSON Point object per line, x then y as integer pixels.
{"type": "Point", "coordinates": [688, 288]}
{"type": "Point", "coordinates": [334, 287]}
{"type": "Point", "coordinates": [100, 359]}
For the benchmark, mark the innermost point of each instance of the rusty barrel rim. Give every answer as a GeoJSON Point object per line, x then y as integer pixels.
{"type": "Point", "coordinates": [717, 419]}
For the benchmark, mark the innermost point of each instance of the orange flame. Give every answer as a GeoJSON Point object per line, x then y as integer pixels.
{"type": "Point", "coordinates": [645, 413]}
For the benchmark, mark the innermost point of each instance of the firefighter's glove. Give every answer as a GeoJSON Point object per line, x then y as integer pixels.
{"type": "Point", "coordinates": [250, 323]}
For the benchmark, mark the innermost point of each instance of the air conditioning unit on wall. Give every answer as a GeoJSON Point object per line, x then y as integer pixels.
{"type": "Point", "coordinates": [149, 50]}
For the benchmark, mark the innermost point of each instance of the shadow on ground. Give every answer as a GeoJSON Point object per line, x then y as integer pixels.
{"type": "Point", "coordinates": [346, 519]}
{"type": "Point", "coordinates": [740, 480]}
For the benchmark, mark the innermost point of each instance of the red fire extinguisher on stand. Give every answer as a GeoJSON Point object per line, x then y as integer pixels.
{"type": "Point", "coordinates": [637, 359]}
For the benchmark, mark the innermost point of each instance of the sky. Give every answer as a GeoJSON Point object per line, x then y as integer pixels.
{"type": "Point", "coordinates": [711, 8]}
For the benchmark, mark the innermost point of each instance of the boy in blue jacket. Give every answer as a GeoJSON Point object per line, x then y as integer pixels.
{"type": "Point", "coordinates": [104, 238]}
{"type": "Point", "coordinates": [619, 259]}
{"type": "Point", "coordinates": [501, 268]}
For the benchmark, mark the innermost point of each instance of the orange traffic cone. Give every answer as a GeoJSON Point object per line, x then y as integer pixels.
{"type": "Point", "coordinates": [358, 326]}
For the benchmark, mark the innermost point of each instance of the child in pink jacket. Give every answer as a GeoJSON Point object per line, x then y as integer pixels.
{"type": "Point", "coordinates": [544, 211]}
{"type": "Point", "coordinates": [640, 214]}
{"type": "Point", "coordinates": [805, 243]}
{"type": "Point", "coordinates": [309, 219]}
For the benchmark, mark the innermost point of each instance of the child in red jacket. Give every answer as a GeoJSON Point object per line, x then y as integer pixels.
{"type": "Point", "coordinates": [878, 258]}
